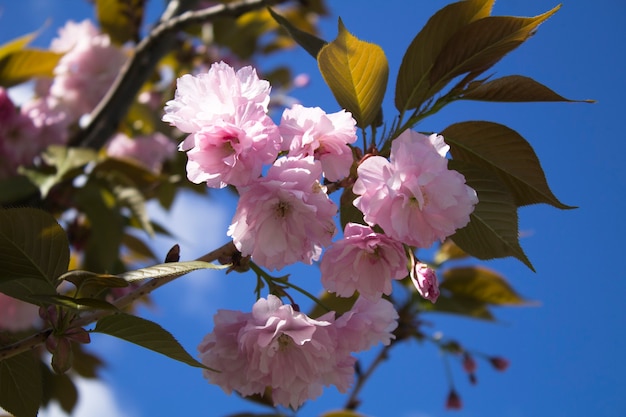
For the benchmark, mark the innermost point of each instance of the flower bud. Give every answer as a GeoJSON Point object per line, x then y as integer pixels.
{"type": "Point", "coordinates": [454, 401]}
{"type": "Point", "coordinates": [469, 364]}
{"type": "Point", "coordinates": [500, 364]}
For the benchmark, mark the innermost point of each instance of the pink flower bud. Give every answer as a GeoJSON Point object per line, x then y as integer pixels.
{"type": "Point", "coordinates": [500, 364]}
{"type": "Point", "coordinates": [454, 401]}
{"type": "Point", "coordinates": [425, 280]}
{"type": "Point", "coordinates": [469, 364]}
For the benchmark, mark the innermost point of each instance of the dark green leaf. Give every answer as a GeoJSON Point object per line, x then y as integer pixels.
{"type": "Point", "coordinates": [508, 155]}
{"type": "Point", "coordinates": [147, 334]}
{"type": "Point", "coordinates": [59, 387]}
{"type": "Point", "coordinates": [34, 251]}
{"type": "Point", "coordinates": [16, 188]}
{"type": "Point", "coordinates": [311, 43]}
{"type": "Point", "coordinates": [493, 229]}
{"type": "Point", "coordinates": [482, 43]}
{"type": "Point", "coordinates": [20, 385]}
{"type": "Point", "coordinates": [513, 88]}
{"type": "Point", "coordinates": [413, 86]}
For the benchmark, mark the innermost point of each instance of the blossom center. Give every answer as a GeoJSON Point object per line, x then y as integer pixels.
{"type": "Point", "coordinates": [284, 342]}
{"type": "Point", "coordinates": [282, 209]}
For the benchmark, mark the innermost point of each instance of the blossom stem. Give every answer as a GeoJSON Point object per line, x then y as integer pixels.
{"type": "Point", "coordinates": [353, 402]}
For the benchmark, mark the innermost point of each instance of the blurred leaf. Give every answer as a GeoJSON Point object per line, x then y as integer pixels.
{"type": "Point", "coordinates": [67, 163]}
{"type": "Point", "coordinates": [337, 304]}
{"type": "Point", "coordinates": [85, 364]}
{"type": "Point", "coordinates": [132, 198]}
{"type": "Point", "coordinates": [480, 284]}
{"type": "Point", "coordinates": [311, 43]}
{"type": "Point", "coordinates": [449, 251]}
{"type": "Point", "coordinates": [242, 35]}
{"type": "Point", "coordinates": [347, 212]}
{"type": "Point", "coordinates": [34, 251]}
{"type": "Point", "coordinates": [342, 413]}
{"type": "Point", "coordinates": [167, 270]}
{"type": "Point", "coordinates": [480, 44]}
{"type": "Point", "coordinates": [513, 88]}
{"type": "Point", "coordinates": [413, 86]}
{"type": "Point", "coordinates": [21, 66]}
{"type": "Point", "coordinates": [504, 152]}
{"type": "Point", "coordinates": [146, 334]}
{"type": "Point", "coordinates": [120, 19]}
{"type": "Point", "coordinates": [15, 189]}
{"type": "Point", "coordinates": [20, 385]}
{"type": "Point", "coordinates": [138, 247]}
{"type": "Point", "coordinates": [16, 45]}
{"type": "Point", "coordinates": [357, 73]}
{"type": "Point", "coordinates": [492, 231]}
{"type": "Point", "coordinates": [463, 306]}
{"type": "Point", "coordinates": [58, 387]}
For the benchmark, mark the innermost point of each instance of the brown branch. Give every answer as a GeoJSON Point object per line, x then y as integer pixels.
{"type": "Point", "coordinates": [106, 117]}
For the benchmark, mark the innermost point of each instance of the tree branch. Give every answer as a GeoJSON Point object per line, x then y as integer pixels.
{"type": "Point", "coordinates": [106, 117]}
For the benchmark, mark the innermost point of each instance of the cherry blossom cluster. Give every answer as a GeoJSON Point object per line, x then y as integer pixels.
{"type": "Point", "coordinates": [88, 65]}
{"type": "Point", "coordinates": [284, 215]}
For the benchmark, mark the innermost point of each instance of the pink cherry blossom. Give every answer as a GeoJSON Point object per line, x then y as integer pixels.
{"type": "Point", "coordinates": [202, 99]}
{"type": "Point", "coordinates": [16, 315]}
{"type": "Point", "coordinates": [367, 323]}
{"type": "Point", "coordinates": [87, 69]}
{"type": "Point", "coordinates": [231, 136]}
{"type": "Point", "coordinates": [310, 131]}
{"type": "Point", "coordinates": [275, 347]}
{"type": "Point", "coordinates": [414, 197]}
{"type": "Point", "coordinates": [363, 261]}
{"type": "Point", "coordinates": [425, 281]}
{"type": "Point", "coordinates": [232, 151]}
{"type": "Point", "coordinates": [285, 217]}
{"type": "Point", "coordinates": [149, 150]}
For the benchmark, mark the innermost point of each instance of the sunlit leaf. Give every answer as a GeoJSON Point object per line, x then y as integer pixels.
{"type": "Point", "coordinates": [513, 88]}
{"type": "Point", "coordinates": [167, 270]}
{"type": "Point", "coordinates": [413, 86]}
{"type": "Point", "coordinates": [34, 250]}
{"type": "Point", "coordinates": [480, 284]}
{"type": "Point", "coordinates": [120, 19]}
{"type": "Point", "coordinates": [463, 306]}
{"type": "Point", "coordinates": [311, 43]}
{"type": "Point", "coordinates": [357, 73]}
{"type": "Point", "coordinates": [147, 334]}
{"type": "Point", "coordinates": [20, 385]}
{"type": "Point", "coordinates": [448, 251]}
{"type": "Point", "coordinates": [482, 43]}
{"type": "Point", "coordinates": [16, 44]}
{"type": "Point", "coordinates": [493, 228]}
{"type": "Point", "coordinates": [23, 65]}
{"type": "Point", "coordinates": [508, 155]}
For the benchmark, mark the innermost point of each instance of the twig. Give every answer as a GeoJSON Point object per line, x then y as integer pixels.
{"type": "Point", "coordinates": [105, 118]}
{"type": "Point", "coordinates": [353, 401]}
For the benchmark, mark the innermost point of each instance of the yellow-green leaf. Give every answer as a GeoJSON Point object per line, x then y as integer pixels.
{"type": "Point", "coordinates": [16, 45]}
{"type": "Point", "coordinates": [513, 88]}
{"type": "Point", "coordinates": [357, 73]}
{"type": "Point", "coordinates": [413, 86]}
{"type": "Point", "coordinates": [502, 150]}
{"type": "Point", "coordinates": [493, 228]}
{"type": "Point", "coordinates": [454, 304]}
{"type": "Point", "coordinates": [311, 43]}
{"type": "Point", "coordinates": [22, 65]}
{"type": "Point", "coordinates": [20, 385]}
{"type": "Point", "coordinates": [482, 43]}
{"type": "Point", "coordinates": [480, 284]}
{"type": "Point", "coordinates": [120, 19]}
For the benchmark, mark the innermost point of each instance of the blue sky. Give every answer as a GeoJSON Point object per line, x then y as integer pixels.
{"type": "Point", "coordinates": [566, 354]}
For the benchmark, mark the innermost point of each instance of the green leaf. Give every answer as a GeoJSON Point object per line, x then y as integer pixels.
{"type": "Point", "coordinates": [480, 284]}
{"type": "Point", "coordinates": [20, 385]}
{"type": "Point", "coordinates": [463, 306]}
{"type": "Point", "coordinates": [76, 303]}
{"type": "Point", "coordinates": [16, 188]}
{"type": "Point", "coordinates": [168, 270]}
{"type": "Point", "coordinates": [67, 163]}
{"type": "Point", "coordinates": [34, 251]}
{"type": "Point", "coordinates": [413, 86]}
{"type": "Point", "coordinates": [146, 334]}
{"type": "Point", "coordinates": [482, 43]}
{"type": "Point", "coordinates": [311, 43]}
{"type": "Point", "coordinates": [16, 45]}
{"type": "Point", "coordinates": [59, 387]}
{"type": "Point", "coordinates": [501, 150]}
{"type": "Point", "coordinates": [357, 73]}
{"type": "Point", "coordinates": [120, 19]}
{"type": "Point", "coordinates": [513, 88]}
{"type": "Point", "coordinates": [20, 66]}
{"type": "Point", "coordinates": [493, 229]}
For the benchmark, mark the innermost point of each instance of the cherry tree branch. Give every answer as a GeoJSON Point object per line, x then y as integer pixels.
{"type": "Point", "coordinates": [106, 117]}
{"type": "Point", "coordinates": [226, 251]}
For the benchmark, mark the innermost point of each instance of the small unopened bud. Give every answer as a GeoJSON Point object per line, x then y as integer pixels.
{"type": "Point", "coordinates": [62, 357]}
{"type": "Point", "coordinates": [454, 401]}
{"type": "Point", "coordinates": [469, 364]}
{"type": "Point", "coordinates": [425, 281]}
{"type": "Point", "coordinates": [78, 334]}
{"type": "Point", "coordinates": [500, 364]}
